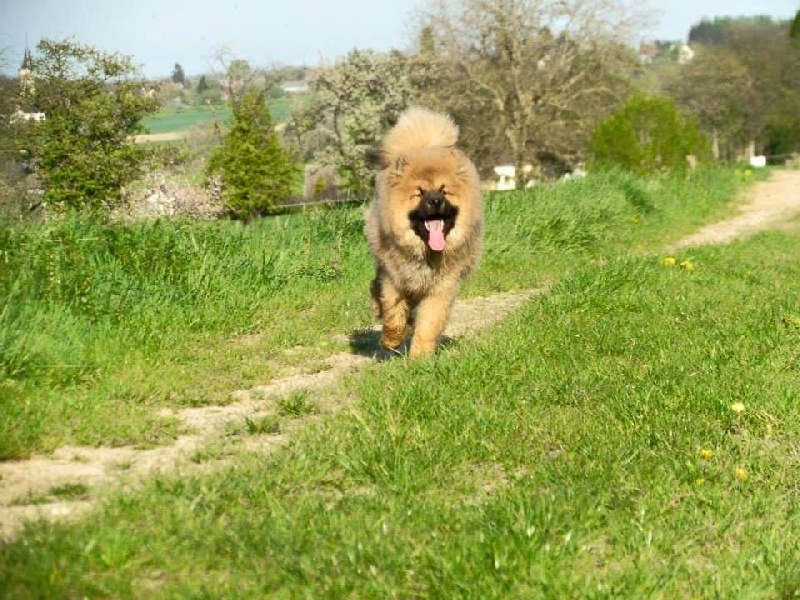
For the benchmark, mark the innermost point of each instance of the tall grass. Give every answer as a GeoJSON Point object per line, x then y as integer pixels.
{"type": "Point", "coordinates": [92, 313]}
{"type": "Point", "coordinates": [74, 284]}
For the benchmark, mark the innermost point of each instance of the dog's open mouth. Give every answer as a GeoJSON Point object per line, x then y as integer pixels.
{"type": "Point", "coordinates": [434, 229]}
{"type": "Point", "coordinates": [433, 219]}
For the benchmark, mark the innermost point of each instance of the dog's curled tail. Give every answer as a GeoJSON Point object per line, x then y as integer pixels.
{"type": "Point", "coordinates": [417, 129]}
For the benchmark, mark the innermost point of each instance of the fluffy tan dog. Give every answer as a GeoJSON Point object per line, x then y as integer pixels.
{"type": "Point", "coordinates": [424, 229]}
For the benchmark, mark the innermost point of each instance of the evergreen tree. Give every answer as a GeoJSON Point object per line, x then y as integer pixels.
{"type": "Point", "coordinates": [202, 85]}
{"type": "Point", "coordinates": [178, 76]}
{"type": "Point", "coordinates": [254, 170]}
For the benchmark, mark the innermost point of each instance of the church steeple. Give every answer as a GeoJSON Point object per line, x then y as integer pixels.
{"type": "Point", "coordinates": [26, 81]}
{"type": "Point", "coordinates": [27, 62]}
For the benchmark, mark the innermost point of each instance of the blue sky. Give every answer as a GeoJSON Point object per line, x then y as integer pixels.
{"type": "Point", "coordinates": [159, 33]}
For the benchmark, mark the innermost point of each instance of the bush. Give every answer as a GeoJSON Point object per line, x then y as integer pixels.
{"type": "Point", "coordinates": [254, 171]}
{"type": "Point", "coordinates": [83, 152]}
{"type": "Point", "coordinates": [647, 135]}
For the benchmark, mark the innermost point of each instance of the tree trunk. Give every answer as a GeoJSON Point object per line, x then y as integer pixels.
{"type": "Point", "coordinates": [519, 171]}
{"type": "Point", "coordinates": [715, 145]}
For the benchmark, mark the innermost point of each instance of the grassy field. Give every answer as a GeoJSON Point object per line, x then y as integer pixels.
{"type": "Point", "coordinates": [632, 433]}
{"type": "Point", "coordinates": [181, 119]}
{"type": "Point", "coordinates": [98, 318]}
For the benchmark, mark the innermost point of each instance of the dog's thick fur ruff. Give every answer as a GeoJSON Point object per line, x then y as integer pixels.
{"type": "Point", "coordinates": [424, 229]}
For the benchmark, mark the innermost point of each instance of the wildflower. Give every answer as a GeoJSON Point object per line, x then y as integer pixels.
{"type": "Point", "coordinates": [791, 321]}
{"type": "Point", "coordinates": [699, 481]}
{"type": "Point", "coordinates": [737, 407]}
{"type": "Point", "coordinates": [747, 173]}
{"type": "Point", "coordinates": [668, 261]}
{"type": "Point", "coordinates": [706, 453]}
{"type": "Point", "coordinates": [685, 264]}
{"type": "Point", "coordinates": [742, 474]}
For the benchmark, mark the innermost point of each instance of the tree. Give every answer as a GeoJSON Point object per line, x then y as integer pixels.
{"type": "Point", "coordinates": [353, 104]}
{"type": "Point", "coordinates": [11, 172]}
{"type": "Point", "coordinates": [765, 48]}
{"type": "Point", "coordinates": [546, 70]}
{"type": "Point", "coordinates": [774, 63]}
{"type": "Point", "coordinates": [178, 76]}
{"type": "Point", "coordinates": [239, 70]}
{"type": "Point", "coordinates": [9, 90]}
{"type": "Point", "coordinates": [716, 32]}
{"type": "Point", "coordinates": [648, 135]}
{"type": "Point", "coordinates": [202, 85]}
{"type": "Point", "coordinates": [719, 91]}
{"type": "Point", "coordinates": [794, 28]}
{"type": "Point", "coordinates": [83, 151]}
{"type": "Point", "coordinates": [254, 171]}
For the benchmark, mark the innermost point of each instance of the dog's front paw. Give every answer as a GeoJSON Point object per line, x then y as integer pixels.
{"type": "Point", "coordinates": [392, 339]}
{"type": "Point", "coordinates": [421, 349]}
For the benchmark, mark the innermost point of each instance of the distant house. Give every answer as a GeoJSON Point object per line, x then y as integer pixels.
{"type": "Point", "coordinates": [685, 54]}
{"type": "Point", "coordinates": [507, 176]}
{"type": "Point", "coordinates": [295, 86]}
{"type": "Point", "coordinates": [650, 51]}
{"type": "Point", "coordinates": [20, 116]}
{"type": "Point", "coordinates": [647, 52]}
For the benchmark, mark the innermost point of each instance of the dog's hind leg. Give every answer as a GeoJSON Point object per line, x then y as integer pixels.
{"type": "Point", "coordinates": [375, 296]}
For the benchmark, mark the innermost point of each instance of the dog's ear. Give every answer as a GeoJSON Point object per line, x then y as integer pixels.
{"type": "Point", "coordinates": [399, 165]}
{"type": "Point", "coordinates": [375, 158]}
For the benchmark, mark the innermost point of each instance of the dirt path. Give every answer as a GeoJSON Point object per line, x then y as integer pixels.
{"type": "Point", "coordinates": [768, 204]}
{"type": "Point", "coordinates": [169, 136]}
{"type": "Point", "coordinates": [71, 480]}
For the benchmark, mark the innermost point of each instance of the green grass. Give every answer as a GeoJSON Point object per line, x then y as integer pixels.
{"type": "Point", "coordinates": [585, 448]}
{"type": "Point", "coordinates": [103, 325]}
{"type": "Point", "coordinates": [264, 425]}
{"type": "Point", "coordinates": [191, 117]}
{"type": "Point", "coordinates": [180, 119]}
{"type": "Point", "coordinates": [296, 404]}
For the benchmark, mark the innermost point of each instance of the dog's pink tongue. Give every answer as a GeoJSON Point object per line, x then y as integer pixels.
{"type": "Point", "coordinates": [436, 235]}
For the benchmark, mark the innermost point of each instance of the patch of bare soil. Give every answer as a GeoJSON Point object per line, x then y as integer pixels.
{"type": "Point", "coordinates": [169, 136]}
{"type": "Point", "coordinates": [769, 205]}
{"type": "Point", "coordinates": [36, 487]}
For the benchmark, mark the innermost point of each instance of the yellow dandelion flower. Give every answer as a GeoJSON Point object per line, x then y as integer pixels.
{"type": "Point", "coordinates": [668, 261]}
{"type": "Point", "coordinates": [699, 481]}
{"type": "Point", "coordinates": [742, 474]}
{"type": "Point", "coordinates": [706, 453]}
{"type": "Point", "coordinates": [737, 407]}
{"type": "Point", "coordinates": [685, 264]}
